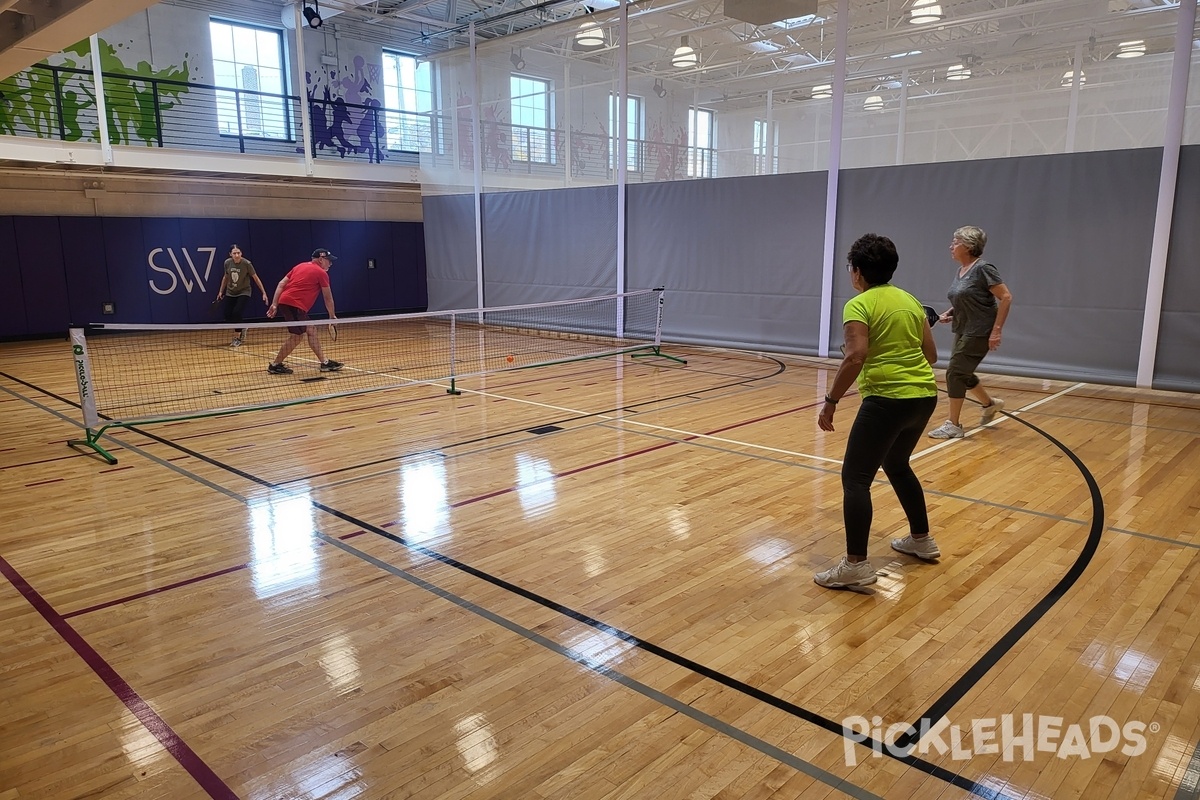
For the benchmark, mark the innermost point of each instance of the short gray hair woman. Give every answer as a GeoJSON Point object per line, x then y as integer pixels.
{"type": "Point", "coordinates": [979, 303]}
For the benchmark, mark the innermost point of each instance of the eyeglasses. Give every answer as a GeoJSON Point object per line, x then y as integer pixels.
{"type": "Point", "coordinates": [849, 268]}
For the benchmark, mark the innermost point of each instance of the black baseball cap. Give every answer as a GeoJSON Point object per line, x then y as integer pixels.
{"type": "Point", "coordinates": [321, 252]}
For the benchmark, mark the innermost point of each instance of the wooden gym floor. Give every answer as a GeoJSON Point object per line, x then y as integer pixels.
{"type": "Point", "coordinates": [593, 580]}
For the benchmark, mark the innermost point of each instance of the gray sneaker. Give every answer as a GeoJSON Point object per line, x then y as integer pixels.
{"type": "Point", "coordinates": [846, 574]}
{"type": "Point", "coordinates": [331, 366]}
{"type": "Point", "coordinates": [948, 431]}
{"type": "Point", "coordinates": [925, 547]}
{"type": "Point", "coordinates": [989, 412]}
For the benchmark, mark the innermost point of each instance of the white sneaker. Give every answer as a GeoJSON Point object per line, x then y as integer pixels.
{"type": "Point", "coordinates": [846, 574]}
{"type": "Point", "coordinates": [925, 547]}
{"type": "Point", "coordinates": [948, 431]}
{"type": "Point", "coordinates": [989, 412]}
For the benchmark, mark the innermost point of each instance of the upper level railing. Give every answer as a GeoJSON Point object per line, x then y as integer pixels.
{"type": "Point", "coordinates": [54, 102]}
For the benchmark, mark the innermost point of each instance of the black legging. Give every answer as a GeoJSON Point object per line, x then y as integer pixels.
{"type": "Point", "coordinates": [884, 434]}
{"type": "Point", "coordinates": [235, 308]}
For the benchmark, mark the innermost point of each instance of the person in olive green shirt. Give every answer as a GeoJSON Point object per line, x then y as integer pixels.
{"type": "Point", "coordinates": [890, 351]}
{"type": "Point", "coordinates": [235, 290]}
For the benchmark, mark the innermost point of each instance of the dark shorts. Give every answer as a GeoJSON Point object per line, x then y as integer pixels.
{"type": "Point", "coordinates": [293, 314]}
{"type": "Point", "coordinates": [964, 360]}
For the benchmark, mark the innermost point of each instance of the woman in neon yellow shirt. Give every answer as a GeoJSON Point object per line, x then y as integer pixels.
{"type": "Point", "coordinates": [889, 350]}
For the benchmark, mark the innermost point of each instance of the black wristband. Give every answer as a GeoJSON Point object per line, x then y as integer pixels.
{"type": "Point", "coordinates": [830, 400]}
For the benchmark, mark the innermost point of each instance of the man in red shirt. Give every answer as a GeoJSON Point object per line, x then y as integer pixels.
{"type": "Point", "coordinates": [294, 296]}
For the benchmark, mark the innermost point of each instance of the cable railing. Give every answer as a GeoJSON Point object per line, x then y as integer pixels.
{"type": "Point", "coordinates": [547, 152]}
{"type": "Point", "coordinates": [54, 102]}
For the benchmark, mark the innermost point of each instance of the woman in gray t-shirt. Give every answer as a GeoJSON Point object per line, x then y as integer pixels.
{"type": "Point", "coordinates": [979, 303]}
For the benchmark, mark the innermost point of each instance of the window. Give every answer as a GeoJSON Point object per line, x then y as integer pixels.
{"type": "Point", "coordinates": [249, 60]}
{"type": "Point", "coordinates": [408, 98]}
{"type": "Point", "coordinates": [530, 102]}
{"type": "Point", "coordinates": [702, 142]}
{"type": "Point", "coordinates": [766, 148]}
{"type": "Point", "coordinates": [633, 131]}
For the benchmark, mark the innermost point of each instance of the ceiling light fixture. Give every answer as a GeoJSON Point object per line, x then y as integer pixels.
{"type": "Point", "coordinates": [822, 91]}
{"type": "Point", "coordinates": [959, 72]}
{"type": "Point", "coordinates": [924, 12]}
{"type": "Point", "coordinates": [516, 60]}
{"type": "Point", "coordinates": [873, 103]}
{"type": "Point", "coordinates": [313, 15]}
{"type": "Point", "coordinates": [685, 55]}
{"type": "Point", "coordinates": [1132, 49]}
{"type": "Point", "coordinates": [590, 36]}
{"type": "Point", "coordinates": [1069, 77]}
{"type": "Point", "coordinates": [659, 89]}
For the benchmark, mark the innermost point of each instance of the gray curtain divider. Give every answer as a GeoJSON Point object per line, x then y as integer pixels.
{"type": "Point", "coordinates": [741, 257]}
{"type": "Point", "coordinates": [1071, 235]}
{"type": "Point", "coordinates": [450, 251]}
{"type": "Point", "coordinates": [1178, 363]}
{"type": "Point", "coordinates": [553, 244]}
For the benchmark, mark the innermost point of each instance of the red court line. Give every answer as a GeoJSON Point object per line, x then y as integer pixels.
{"type": "Point", "coordinates": [43, 483]}
{"type": "Point", "coordinates": [158, 727]}
{"type": "Point", "coordinates": [624, 456]}
{"type": "Point", "coordinates": [158, 590]}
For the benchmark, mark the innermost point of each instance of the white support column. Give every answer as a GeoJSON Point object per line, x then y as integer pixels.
{"type": "Point", "coordinates": [477, 162]}
{"type": "Point", "coordinates": [622, 154]}
{"type": "Point", "coordinates": [902, 133]}
{"type": "Point", "coordinates": [769, 134]}
{"type": "Point", "coordinates": [835, 160]}
{"type": "Point", "coordinates": [567, 123]}
{"type": "Point", "coordinates": [101, 105]}
{"type": "Point", "coordinates": [1172, 141]}
{"type": "Point", "coordinates": [1073, 112]}
{"type": "Point", "coordinates": [302, 85]}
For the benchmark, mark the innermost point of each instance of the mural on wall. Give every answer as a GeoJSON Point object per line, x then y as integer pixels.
{"type": "Point", "coordinates": [346, 115]}
{"type": "Point", "coordinates": [670, 154]}
{"type": "Point", "coordinates": [494, 143]}
{"type": "Point", "coordinates": [51, 101]}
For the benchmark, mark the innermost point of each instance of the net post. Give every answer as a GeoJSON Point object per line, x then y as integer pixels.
{"type": "Point", "coordinates": [656, 348]}
{"type": "Point", "coordinates": [453, 358]}
{"type": "Point", "coordinates": [87, 397]}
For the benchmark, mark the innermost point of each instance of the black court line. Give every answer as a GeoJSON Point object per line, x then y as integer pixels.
{"type": "Point", "coordinates": [906, 741]}
{"type": "Point", "coordinates": [941, 707]}
{"type": "Point", "coordinates": [1189, 785]}
{"type": "Point", "coordinates": [211, 782]}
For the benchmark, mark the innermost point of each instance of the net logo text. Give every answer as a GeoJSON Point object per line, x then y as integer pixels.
{"type": "Point", "coordinates": [989, 736]}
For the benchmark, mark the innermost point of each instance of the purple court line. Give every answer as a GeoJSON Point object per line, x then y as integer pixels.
{"type": "Point", "coordinates": [178, 584]}
{"type": "Point", "coordinates": [624, 456]}
{"type": "Point", "coordinates": [154, 591]}
{"type": "Point", "coordinates": [156, 725]}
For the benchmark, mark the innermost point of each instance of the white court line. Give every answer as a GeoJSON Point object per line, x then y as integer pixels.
{"type": "Point", "coordinates": [677, 431]}
{"type": "Point", "coordinates": [997, 421]}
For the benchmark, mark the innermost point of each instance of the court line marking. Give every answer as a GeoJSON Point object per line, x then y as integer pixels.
{"type": "Point", "coordinates": [630, 421]}
{"type": "Point", "coordinates": [1189, 785]}
{"type": "Point", "coordinates": [929, 768]}
{"type": "Point", "coordinates": [761, 745]}
{"type": "Point", "coordinates": [155, 725]}
{"type": "Point", "coordinates": [1029, 407]}
{"type": "Point", "coordinates": [1031, 617]}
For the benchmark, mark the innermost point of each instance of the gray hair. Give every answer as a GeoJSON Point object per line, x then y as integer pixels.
{"type": "Point", "coordinates": [974, 238]}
